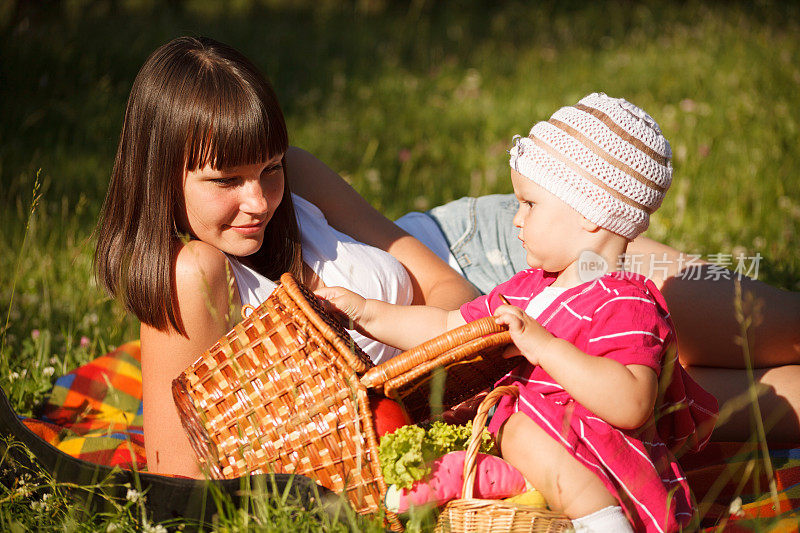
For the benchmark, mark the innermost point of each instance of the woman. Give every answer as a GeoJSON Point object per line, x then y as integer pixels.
{"type": "Point", "coordinates": [199, 216]}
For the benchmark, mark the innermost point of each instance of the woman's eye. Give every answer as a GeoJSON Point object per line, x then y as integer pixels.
{"type": "Point", "coordinates": [272, 169]}
{"type": "Point", "coordinates": [224, 182]}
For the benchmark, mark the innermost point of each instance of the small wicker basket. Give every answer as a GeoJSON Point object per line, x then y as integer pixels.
{"type": "Point", "coordinates": [469, 514]}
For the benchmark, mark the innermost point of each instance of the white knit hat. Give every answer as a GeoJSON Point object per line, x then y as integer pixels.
{"type": "Point", "coordinates": [605, 157]}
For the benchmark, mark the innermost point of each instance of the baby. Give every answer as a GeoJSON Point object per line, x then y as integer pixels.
{"type": "Point", "coordinates": [584, 431]}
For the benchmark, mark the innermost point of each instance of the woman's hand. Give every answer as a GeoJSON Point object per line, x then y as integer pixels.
{"type": "Point", "coordinates": [527, 334]}
{"type": "Point", "coordinates": [346, 306]}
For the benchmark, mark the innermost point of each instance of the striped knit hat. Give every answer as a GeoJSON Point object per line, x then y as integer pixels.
{"type": "Point", "coordinates": [605, 157]}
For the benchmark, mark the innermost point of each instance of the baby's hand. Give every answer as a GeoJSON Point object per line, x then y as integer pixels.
{"type": "Point", "coordinates": [526, 333]}
{"type": "Point", "coordinates": [346, 306]}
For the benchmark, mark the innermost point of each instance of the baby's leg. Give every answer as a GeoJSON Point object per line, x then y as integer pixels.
{"type": "Point", "coordinates": [567, 485]}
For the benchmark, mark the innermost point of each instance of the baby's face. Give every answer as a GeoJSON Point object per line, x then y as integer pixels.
{"type": "Point", "coordinates": [550, 230]}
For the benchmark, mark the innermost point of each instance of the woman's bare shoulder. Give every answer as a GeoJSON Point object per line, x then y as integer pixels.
{"type": "Point", "coordinates": [203, 296]}
{"type": "Point", "coordinates": [197, 261]}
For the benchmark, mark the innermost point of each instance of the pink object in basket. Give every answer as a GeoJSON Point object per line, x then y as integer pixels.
{"type": "Point", "coordinates": [494, 479]}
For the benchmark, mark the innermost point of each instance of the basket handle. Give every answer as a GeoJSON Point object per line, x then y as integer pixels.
{"type": "Point", "coordinates": [471, 457]}
{"type": "Point", "coordinates": [355, 357]}
{"type": "Point", "coordinates": [433, 348]}
{"type": "Point", "coordinates": [247, 310]}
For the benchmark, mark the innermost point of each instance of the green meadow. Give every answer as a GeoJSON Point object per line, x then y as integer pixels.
{"type": "Point", "coordinates": [414, 104]}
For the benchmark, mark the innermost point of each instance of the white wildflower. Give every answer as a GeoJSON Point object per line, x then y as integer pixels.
{"type": "Point", "coordinates": [42, 505]}
{"type": "Point", "coordinates": [12, 376]}
{"type": "Point", "coordinates": [735, 508]}
{"type": "Point", "coordinates": [48, 371]}
{"type": "Point", "coordinates": [111, 527]}
{"type": "Point", "coordinates": [134, 496]}
{"type": "Point", "coordinates": [158, 528]}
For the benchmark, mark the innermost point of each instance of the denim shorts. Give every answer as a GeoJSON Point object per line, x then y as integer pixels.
{"type": "Point", "coordinates": [482, 238]}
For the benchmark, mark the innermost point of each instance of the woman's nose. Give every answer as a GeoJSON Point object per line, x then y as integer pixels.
{"type": "Point", "coordinates": [253, 198]}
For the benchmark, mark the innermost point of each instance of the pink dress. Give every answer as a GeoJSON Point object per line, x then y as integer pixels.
{"type": "Point", "coordinates": [621, 316]}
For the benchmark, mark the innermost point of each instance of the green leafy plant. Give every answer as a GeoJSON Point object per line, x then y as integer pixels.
{"type": "Point", "coordinates": [405, 455]}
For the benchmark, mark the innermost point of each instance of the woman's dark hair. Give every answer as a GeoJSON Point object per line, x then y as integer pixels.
{"type": "Point", "coordinates": [195, 102]}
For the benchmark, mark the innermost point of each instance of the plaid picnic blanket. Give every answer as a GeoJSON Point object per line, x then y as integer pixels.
{"type": "Point", "coordinates": [95, 413]}
{"type": "Point", "coordinates": [731, 484]}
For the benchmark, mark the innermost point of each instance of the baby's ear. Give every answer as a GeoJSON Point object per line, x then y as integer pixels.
{"type": "Point", "coordinates": [588, 225]}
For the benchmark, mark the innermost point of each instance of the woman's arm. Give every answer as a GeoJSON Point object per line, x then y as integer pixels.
{"type": "Point", "coordinates": [203, 302]}
{"type": "Point", "coordinates": [704, 313]}
{"type": "Point", "coordinates": [434, 282]}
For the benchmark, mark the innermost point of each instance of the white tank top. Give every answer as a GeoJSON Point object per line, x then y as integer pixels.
{"type": "Point", "coordinates": [339, 260]}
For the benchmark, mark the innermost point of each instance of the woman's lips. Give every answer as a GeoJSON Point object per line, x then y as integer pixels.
{"type": "Point", "coordinates": [249, 229]}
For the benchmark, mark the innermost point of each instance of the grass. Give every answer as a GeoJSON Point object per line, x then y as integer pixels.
{"type": "Point", "coordinates": [414, 105]}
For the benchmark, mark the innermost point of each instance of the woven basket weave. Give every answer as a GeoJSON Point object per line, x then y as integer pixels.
{"type": "Point", "coordinates": [469, 514]}
{"type": "Point", "coordinates": [471, 355]}
{"type": "Point", "coordinates": [285, 391]}
{"type": "Point", "coordinates": [280, 393]}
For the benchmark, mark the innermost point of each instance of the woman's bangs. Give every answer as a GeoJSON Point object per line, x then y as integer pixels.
{"type": "Point", "coordinates": [234, 128]}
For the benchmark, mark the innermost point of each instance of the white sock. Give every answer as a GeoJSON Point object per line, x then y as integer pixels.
{"type": "Point", "coordinates": [608, 520]}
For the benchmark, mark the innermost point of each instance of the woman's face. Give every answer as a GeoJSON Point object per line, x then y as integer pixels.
{"type": "Point", "coordinates": [230, 208]}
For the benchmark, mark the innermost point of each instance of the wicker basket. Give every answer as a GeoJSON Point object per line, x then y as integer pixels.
{"type": "Point", "coordinates": [285, 391]}
{"type": "Point", "coordinates": [280, 393]}
{"type": "Point", "coordinates": [471, 356]}
{"type": "Point", "coordinates": [471, 515]}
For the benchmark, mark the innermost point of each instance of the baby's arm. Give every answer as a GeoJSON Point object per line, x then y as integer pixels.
{"type": "Point", "coordinates": [401, 326]}
{"type": "Point", "coordinates": [622, 395]}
